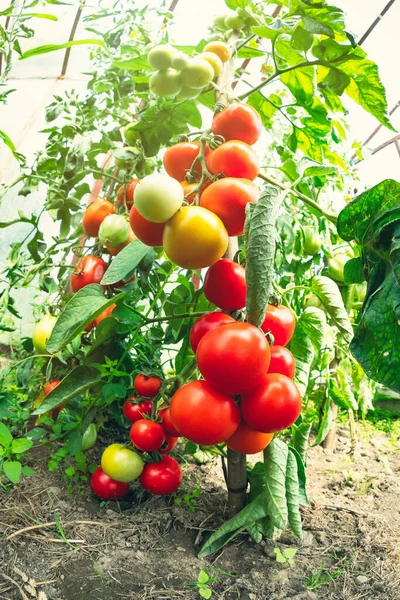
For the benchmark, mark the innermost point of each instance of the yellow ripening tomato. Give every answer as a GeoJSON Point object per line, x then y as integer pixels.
{"type": "Point", "coordinates": [121, 464]}
{"type": "Point", "coordinates": [42, 332]}
{"type": "Point", "coordinates": [195, 238]}
{"type": "Point", "coordinates": [220, 49]}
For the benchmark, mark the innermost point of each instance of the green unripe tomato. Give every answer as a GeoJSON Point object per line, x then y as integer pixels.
{"type": "Point", "coordinates": [312, 241]}
{"type": "Point", "coordinates": [121, 464]}
{"type": "Point", "coordinates": [180, 61]}
{"type": "Point", "coordinates": [198, 74]}
{"type": "Point", "coordinates": [160, 57]}
{"type": "Point", "coordinates": [313, 300]}
{"type": "Point", "coordinates": [128, 157]}
{"type": "Point", "coordinates": [360, 290]}
{"type": "Point", "coordinates": [158, 197]}
{"type": "Point", "coordinates": [89, 437]}
{"type": "Point", "coordinates": [131, 135]}
{"type": "Point", "coordinates": [219, 22]}
{"type": "Point", "coordinates": [213, 60]}
{"type": "Point", "coordinates": [234, 22]}
{"type": "Point", "coordinates": [42, 332]}
{"type": "Point", "coordinates": [165, 83]}
{"type": "Point", "coordinates": [114, 230]}
{"type": "Point", "coordinates": [188, 93]}
{"type": "Point", "coordinates": [336, 266]}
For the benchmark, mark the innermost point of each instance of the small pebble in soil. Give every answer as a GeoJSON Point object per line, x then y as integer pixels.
{"type": "Point", "coordinates": [362, 580]}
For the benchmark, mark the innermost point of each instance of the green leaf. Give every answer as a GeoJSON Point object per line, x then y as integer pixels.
{"type": "Point", "coordinates": [52, 47]}
{"type": "Point", "coordinates": [84, 306]}
{"type": "Point", "coordinates": [46, 16]}
{"type": "Point", "coordinates": [303, 352]}
{"type": "Point", "coordinates": [126, 262]}
{"type": "Point", "coordinates": [329, 294]}
{"type": "Point", "coordinates": [203, 577]}
{"type": "Point", "coordinates": [313, 26]}
{"type": "Point", "coordinates": [353, 271]}
{"type": "Point", "coordinates": [334, 84]}
{"type": "Point", "coordinates": [5, 435]}
{"type": "Point", "coordinates": [21, 445]}
{"type": "Point", "coordinates": [301, 39]}
{"type": "Point", "coordinates": [27, 471]}
{"type": "Point", "coordinates": [205, 592]}
{"type": "Point", "coordinates": [300, 436]}
{"type": "Point", "coordinates": [301, 82]}
{"type": "Point", "coordinates": [255, 510]}
{"type": "Point", "coordinates": [260, 241]}
{"type": "Point", "coordinates": [326, 422]}
{"type": "Point", "coordinates": [329, 50]}
{"type": "Point", "coordinates": [74, 384]}
{"type": "Point", "coordinates": [113, 391]}
{"type": "Point", "coordinates": [310, 168]}
{"type": "Point", "coordinates": [7, 140]}
{"type": "Point", "coordinates": [275, 462]}
{"type": "Point", "coordinates": [302, 476]}
{"type": "Point", "coordinates": [292, 496]}
{"type": "Point", "coordinates": [12, 469]}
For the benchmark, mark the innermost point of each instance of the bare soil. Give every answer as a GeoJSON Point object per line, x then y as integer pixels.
{"type": "Point", "coordinates": [146, 548]}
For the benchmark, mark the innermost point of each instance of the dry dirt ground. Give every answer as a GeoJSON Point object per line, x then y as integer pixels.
{"type": "Point", "coordinates": [146, 548]}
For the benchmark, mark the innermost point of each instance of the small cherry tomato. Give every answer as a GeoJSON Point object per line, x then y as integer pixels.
{"type": "Point", "coordinates": [106, 488]}
{"type": "Point", "coordinates": [147, 385]}
{"type": "Point", "coordinates": [235, 159]}
{"type": "Point", "coordinates": [282, 361]}
{"type": "Point", "coordinates": [147, 435]}
{"type": "Point", "coordinates": [238, 121]}
{"type": "Point", "coordinates": [162, 478]}
{"type": "Point", "coordinates": [133, 411]}
{"type": "Point", "coordinates": [205, 324]}
{"type": "Point", "coordinates": [95, 214]}
{"type": "Point", "coordinates": [125, 193]}
{"type": "Point", "coordinates": [248, 441]}
{"type": "Point", "coordinates": [225, 285]}
{"type": "Point", "coordinates": [281, 322]}
{"type": "Point", "coordinates": [90, 269]}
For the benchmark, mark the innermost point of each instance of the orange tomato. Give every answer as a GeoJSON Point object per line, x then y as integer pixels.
{"type": "Point", "coordinates": [238, 121]}
{"type": "Point", "coordinates": [95, 214]}
{"type": "Point", "coordinates": [248, 441]}
{"type": "Point", "coordinates": [125, 193]}
{"type": "Point", "coordinates": [220, 49]}
{"type": "Point", "coordinates": [235, 159]}
{"type": "Point", "coordinates": [179, 158]}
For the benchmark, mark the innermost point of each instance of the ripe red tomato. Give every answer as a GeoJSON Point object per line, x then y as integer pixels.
{"type": "Point", "coordinates": [106, 488]}
{"type": "Point", "coordinates": [179, 158]}
{"type": "Point", "coordinates": [280, 321]}
{"type": "Point", "coordinates": [169, 444]}
{"type": "Point", "coordinates": [51, 385]}
{"type": "Point", "coordinates": [168, 426]}
{"type": "Point", "coordinates": [95, 214]}
{"type": "Point", "coordinates": [147, 385]}
{"type": "Point", "coordinates": [161, 478]}
{"type": "Point", "coordinates": [234, 358]}
{"type": "Point", "coordinates": [273, 405]}
{"type": "Point", "coordinates": [238, 122]}
{"type": "Point", "coordinates": [133, 411]}
{"type": "Point", "coordinates": [282, 361]}
{"type": "Point", "coordinates": [205, 324]}
{"type": "Point", "coordinates": [225, 285]}
{"type": "Point", "coordinates": [125, 193]}
{"type": "Point", "coordinates": [147, 435]}
{"type": "Point", "coordinates": [106, 313]}
{"type": "Point", "coordinates": [227, 198]}
{"type": "Point", "coordinates": [248, 441]}
{"type": "Point", "coordinates": [235, 159]}
{"type": "Point", "coordinates": [203, 415]}
{"type": "Point", "coordinates": [146, 231]}
{"type": "Point", "coordinates": [90, 269]}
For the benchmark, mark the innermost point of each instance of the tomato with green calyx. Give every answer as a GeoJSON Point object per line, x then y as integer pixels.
{"type": "Point", "coordinates": [248, 441]}
{"type": "Point", "coordinates": [160, 57]}
{"type": "Point", "coordinates": [146, 231]}
{"type": "Point", "coordinates": [164, 414]}
{"type": "Point", "coordinates": [213, 60]}
{"type": "Point", "coordinates": [336, 266]}
{"type": "Point", "coordinates": [195, 238]}
{"type": "Point", "coordinates": [281, 322]}
{"type": "Point", "coordinates": [238, 121]}
{"type": "Point", "coordinates": [282, 361]}
{"type": "Point", "coordinates": [235, 159]}
{"type": "Point", "coordinates": [221, 49]}
{"type": "Point", "coordinates": [162, 478]}
{"type": "Point", "coordinates": [147, 385]}
{"type": "Point", "coordinates": [312, 241]}
{"type": "Point", "coordinates": [179, 158]}
{"type": "Point", "coordinates": [235, 22]}
{"type": "Point", "coordinates": [147, 435]}
{"type": "Point", "coordinates": [203, 415]}
{"type": "Point", "coordinates": [205, 324]}
{"type": "Point", "coordinates": [233, 358]}
{"type": "Point", "coordinates": [166, 83]}
{"type": "Point", "coordinates": [42, 332]}
{"type": "Point", "coordinates": [169, 444]}
{"type": "Point", "coordinates": [90, 269]}
{"type": "Point", "coordinates": [198, 74]}
{"type": "Point", "coordinates": [227, 198]}
{"type": "Point", "coordinates": [89, 437]}
{"type": "Point", "coordinates": [121, 464]}
{"type": "Point", "coordinates": [106, 488]}
{"type": "Point", "coordinates": [273, 405]}
{"type": "Point", "coordinates": [180, 61]}
{"type": "Point", "coordinates": [114, 231]}
{"type": "Point", "coordinates": [95, 214]}
{"type": "Point", "coordinates": [313, 300]}
{"type": "Point", "coordinates": [225, 285]}
{"type": "Point", "coordinates": [158, 197]}
{"type": "Point", "coordinates": [133, 411]}
{"type": "Point", "coordinates": [114, 250]}
{"type": "Point", "coordinates": [125, 193]}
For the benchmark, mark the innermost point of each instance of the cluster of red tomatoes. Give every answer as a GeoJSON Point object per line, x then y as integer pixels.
{"type": "Point", "coordinates": [120, 465]}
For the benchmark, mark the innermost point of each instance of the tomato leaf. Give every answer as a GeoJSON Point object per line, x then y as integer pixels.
{"type": "Point", "coordinates": [353, 271]}
{"type": "Point", "coordinates": [126, 262]}
{"type": "Point", "coordinates": [75, 383]}
{"type": "Point", "coordinates": [260, 242]}
{"type": "Point", "coordinates": [301, 471]}
{"type": "Point", "coordinates": [275, 464]}
{"type": "Point", "coordinates": [21, 445]}
{"type": "Point", "coordinates": [307, 338]}
{"type": "Point", "coordinates": [84, 306]}
{"type": "Point", "coordinates": [326, 421]}
{"type": "Point", "coordinates": [52, 47]}
{"type": "Point", "coordinates": [300, 436]}
{"type": "Point", "coordinates": [5, 435]}
{"type": "Point", "coordinates": [12, 470]}
{"type": "Point", "coordinates": [292, 495]}
{"type": "Point", "coordinates": [329, 294]}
